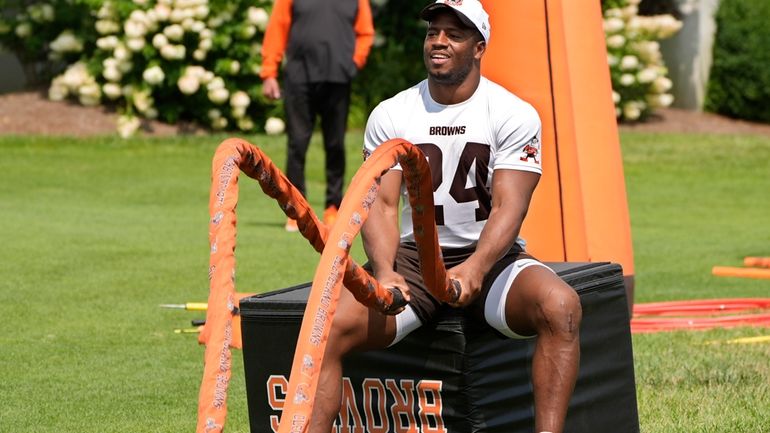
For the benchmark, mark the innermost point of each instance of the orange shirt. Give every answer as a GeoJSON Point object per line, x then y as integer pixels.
{"type": "Point", "coordinates": [279, 29]}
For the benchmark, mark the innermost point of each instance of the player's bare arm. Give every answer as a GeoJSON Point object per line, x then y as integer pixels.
{"type": "Point", "coordinates": [381, 233]}
{"type": "Point", "coordinates": [511, 193]}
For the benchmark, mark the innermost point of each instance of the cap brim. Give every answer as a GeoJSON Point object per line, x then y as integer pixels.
{"type": "Point", "coordinates": [428, 12]}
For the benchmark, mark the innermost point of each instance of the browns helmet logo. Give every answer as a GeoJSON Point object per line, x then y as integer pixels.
{"type": "Point", "coordinates": [531, 150]}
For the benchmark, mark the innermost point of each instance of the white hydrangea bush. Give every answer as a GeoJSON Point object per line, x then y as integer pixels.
{"type": "Point", "coordinates": [639, 76]}
{"type": "Point", "coordinates": [194, 60]}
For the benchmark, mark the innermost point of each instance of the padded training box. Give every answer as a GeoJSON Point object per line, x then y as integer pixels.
{"type": "Point", "coordinates": [455, 375]}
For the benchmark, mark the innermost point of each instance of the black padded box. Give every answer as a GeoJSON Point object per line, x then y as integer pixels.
{"type": "Point", "coordinates": [454, 375]}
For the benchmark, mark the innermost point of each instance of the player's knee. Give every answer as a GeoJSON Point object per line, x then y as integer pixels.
{"type": "Point", "coordinates": [560, 312]}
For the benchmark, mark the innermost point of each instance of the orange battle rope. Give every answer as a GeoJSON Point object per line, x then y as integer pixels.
{"type": "Point", "coordinates": [700, 314]}
{"type": "Point", "coordinates": [335, 267]}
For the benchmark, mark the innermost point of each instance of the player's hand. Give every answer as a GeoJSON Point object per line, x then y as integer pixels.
{"type": "Point", "coordinates": [470, 279]}
{"type": "Point", "coordinates": [395, 280]}
{"type": "Point", "coordinates": [271, 89]}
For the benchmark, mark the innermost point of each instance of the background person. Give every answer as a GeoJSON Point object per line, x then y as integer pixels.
{"type": "Point", "coordinates": [325, 43]}
{"type": "Point", "coordinates": [483, 145]}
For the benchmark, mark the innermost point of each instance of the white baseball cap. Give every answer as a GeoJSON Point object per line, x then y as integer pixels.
{"type": "Point", "coordinates": [471, 12]}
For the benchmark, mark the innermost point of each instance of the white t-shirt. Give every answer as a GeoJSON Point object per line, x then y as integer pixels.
{"type": "Point", "coordinates": [464, 144]}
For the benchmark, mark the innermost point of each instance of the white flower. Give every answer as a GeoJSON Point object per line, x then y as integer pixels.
{"type": "Point", "coordinates": [75, 76]}
{"type": "Point", "coordinates": [245, 124]}
{"type": "Point", "coordinates": [187, 24]}
{"type": "Point", "coordinates": [199, 55]}
{"type": "Point", "coordinates": [647, 75]}
{"type": "Point", "coordinates": [215, 83]}
{"type": "Point", "coordinates": [40, 12]}
{"type": "Point", "coordinates": [240, 99]}
{"type": "Point", "coordinates": [141, 16]}
{"type": "Point", "coordinates": [631, 111]}
{"type": "Point", "coordinates": [661, 84]}
{"type": "Point", "coordinates": [195, 71]}
{"type": "Point", "coordinates": [256, 69]}
{"type": "Point", "coordinates": [218, 96]}
{"type": "Point", "coordinates": [135, 44]}
{"type": "Point", "coordinates": [23, 30]}
{"type": "Point", "coordinates": [219, 123]}
{"type": "Point", "coordinates": [135, 29]}
{"type": "Point", "coordinates": [665, 99]}
{"type": "Point", "coordinates": [90, 94]}
{"type": "Point", "coordinates": [58, 90]}
{"type": "Point", "coordinates": [107, 42]}
{"type": "Point", "coordinates": [188, 84]}
{"type": "Point", "coordinates": [612, 60]}
{"type": "Point", "coordinates": [153, 75]}
{"type": "Point", "coordinates": [142, 100]}
{"type": "Point", "coordinates": [112, 74]}
{"type": "Point", "coordinates": [125, 66]}
{"type": "Point", "coordinates": [121, 53]}
{"type": "Point", "coordinates": [379, 40]}
{"type": "Point", "coordinates": [214, 114]}
{"type": "Point", "coordinates": [630, 11]}
{"type": "Point", "coordinates": [159, 40]}
{"type": "Point", "coordinates": [257, 16]}
{"type": "Point", "coordinates": [140, 2]}
{"type": "Point", "coordinates": [112, 90]}
{"type": "Point", "coordinates": [615, 97]}
{"type": "Point", "coordinates": [613, 25]}
{"type": "Point", "coordinates": [247, 32]}
{"type": "Point", "coordinates": [128, 125]}
{"type": "Point", "coordinates": [629, 62]}
{"type": "Point", "coordinates": [205, 44]}
{"type": "Point", "coordinates": [614, 12]}
{"type": "Point", "coordinates": [151, 113]}
{"type": "Point", "coordinates": [177, 15]}
{"type": "Point", "coordinates": [198, 26]}
{"type": "Point", "coordinates": [238, 112]}
{"type": "Point", "coordinates": [106, 27]}
{"type": "Point", "coordinates": [162, 12]}
{"type": "Point", "coordinates": [235, 67]}
{"type": "Point", "coordinates": [627, 80]}
{"type": "Point", "coordinates": [173, 52]}
{"type": "Point", "coordinates": [174, 32]}
{"type": "Point", "coordinates": [274, 126]}
{"type": "Point", "coordinates": [201, 12]}
{"type": "Point", "coordinates": [658, 101]}
{"type": "Point", "coordinates": [616, 41]}
{"type": "Point", "coordinates": [66, 42]}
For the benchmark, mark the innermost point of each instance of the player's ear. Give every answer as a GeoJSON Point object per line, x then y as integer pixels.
{"type": "Point", "coordinates": [479, 49]}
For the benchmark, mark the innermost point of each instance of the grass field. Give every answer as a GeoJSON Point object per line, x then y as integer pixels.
{"type": "Point", "coordinates": [96, 233]}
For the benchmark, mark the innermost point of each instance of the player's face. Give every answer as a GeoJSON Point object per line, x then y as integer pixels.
{"type": "Point", "coordinates": [450, 49]}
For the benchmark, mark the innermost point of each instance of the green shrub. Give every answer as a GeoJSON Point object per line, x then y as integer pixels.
{"type": "Point", "coordinates": [639, 76]}
{"type": "Point", "coordinates": [739, 84]}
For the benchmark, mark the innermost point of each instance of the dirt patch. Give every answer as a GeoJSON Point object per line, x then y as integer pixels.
{"type": "Point", "coordinates": [30, 112]}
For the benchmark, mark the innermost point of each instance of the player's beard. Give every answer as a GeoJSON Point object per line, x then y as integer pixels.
{"type": "Point", "coordinates": [452, 77]}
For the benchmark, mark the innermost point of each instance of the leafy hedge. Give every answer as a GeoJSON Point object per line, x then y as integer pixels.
{"type": "Point", "coordinates": [739, 84]}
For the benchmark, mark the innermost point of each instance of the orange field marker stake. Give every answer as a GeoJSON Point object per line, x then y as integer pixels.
{"type": "Point", "coordinates": [727, 271]}
{"type": "Point", "coordinates": [756, 262]}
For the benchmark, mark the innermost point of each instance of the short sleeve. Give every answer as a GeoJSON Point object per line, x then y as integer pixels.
{"type": "Point", "coordinates": [519, 140]}
{"type": "Point", "coordinates": [379, 129]}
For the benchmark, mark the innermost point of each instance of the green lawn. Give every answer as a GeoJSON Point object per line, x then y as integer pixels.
{"type": "Point", "coordinates": [96, 233]}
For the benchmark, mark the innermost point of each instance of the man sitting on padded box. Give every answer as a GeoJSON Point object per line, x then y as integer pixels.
{"type": "Point", "coordinates": [483, 145]}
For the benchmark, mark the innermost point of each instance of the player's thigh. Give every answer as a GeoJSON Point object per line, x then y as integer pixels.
{"type": "Point", "coordinates": [539, 300]}
{"type": "Point", "coordinates": [356, 327]}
